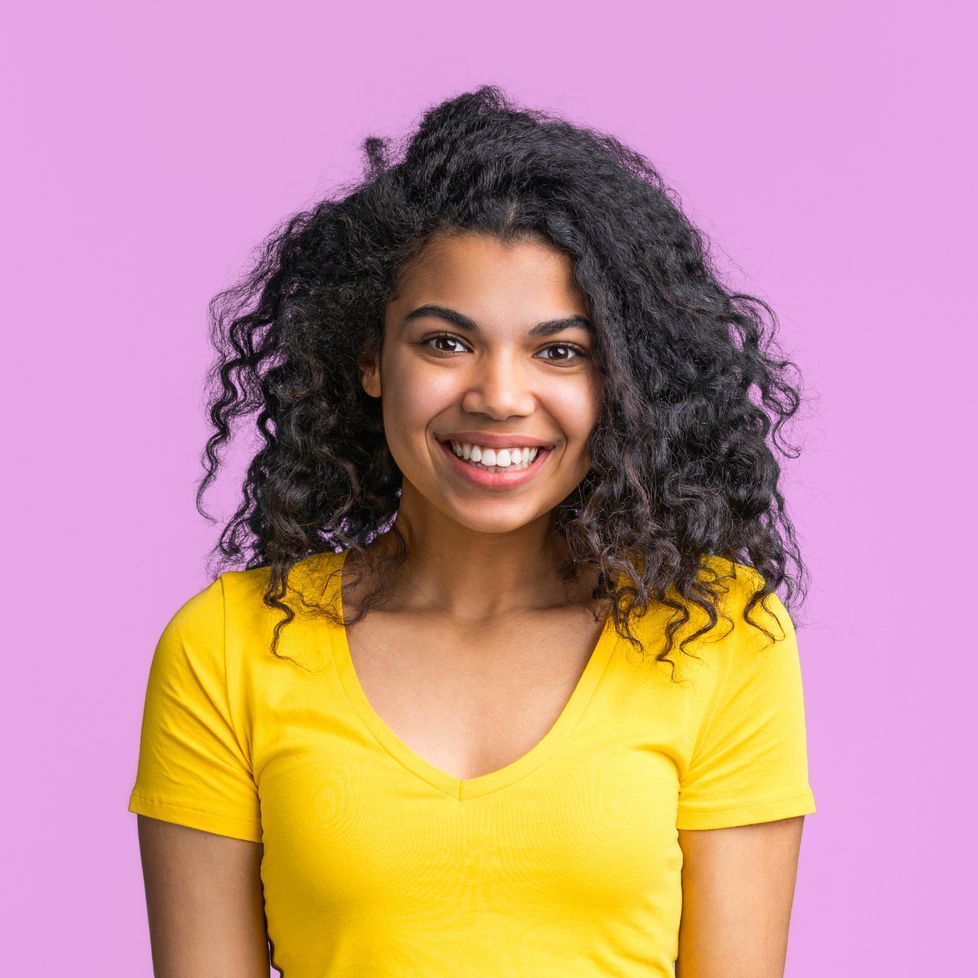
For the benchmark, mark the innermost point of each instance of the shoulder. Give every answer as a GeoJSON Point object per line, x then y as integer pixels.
{"type": "Point", "coordinates": [309, 580]}
{"type": "Point", "coordinates": [734, 585]}
{"type": "Point", "coordinates": [251, 622]}
{"type": "Point", "coordinates": [737, 585]}
{"type": "Point", "coordinates": [238, 593]}
{"type": "Point", "coordinates": [703, 651]}
{"type": "Point", "coordinates": [754, 656]}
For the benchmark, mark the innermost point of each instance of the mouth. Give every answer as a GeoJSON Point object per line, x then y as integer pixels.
{"type": "Point", "coordinates": [518, 472]}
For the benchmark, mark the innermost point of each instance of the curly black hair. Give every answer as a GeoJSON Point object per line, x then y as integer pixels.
{"type": "Point", "coordinates": [682, 469]}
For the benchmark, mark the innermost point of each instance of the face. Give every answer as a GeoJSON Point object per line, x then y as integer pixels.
{"type": "Point", "coordinates": [474, 355]}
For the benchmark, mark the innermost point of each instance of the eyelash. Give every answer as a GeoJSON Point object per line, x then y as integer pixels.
{"type": "Point", "coordinates": [450, 336]}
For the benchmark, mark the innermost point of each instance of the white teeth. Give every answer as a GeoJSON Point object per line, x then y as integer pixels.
{"type": "Point", "coordinates": [503, 458]}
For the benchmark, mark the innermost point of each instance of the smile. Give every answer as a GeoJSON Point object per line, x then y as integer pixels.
{"type": "Point", "coordinates": [523, 463]}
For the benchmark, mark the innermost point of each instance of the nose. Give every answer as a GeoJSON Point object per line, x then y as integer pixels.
{"type": "Point", "coordinates": [498, 388]}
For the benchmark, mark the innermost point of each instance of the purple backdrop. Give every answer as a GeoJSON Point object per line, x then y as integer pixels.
{"type": "Point", "coordinates": [829, 154]}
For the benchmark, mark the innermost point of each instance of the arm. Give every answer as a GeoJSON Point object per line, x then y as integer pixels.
{"type": "Point", "coordinates": [205, 902]}
{"type": "Point", "coordinates": [738, 886]}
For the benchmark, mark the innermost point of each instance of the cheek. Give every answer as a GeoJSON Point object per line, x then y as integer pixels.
{"type": "Point", "coordinates": [576, 411]}
{"type": "Point", "coordinates": [411, 400]}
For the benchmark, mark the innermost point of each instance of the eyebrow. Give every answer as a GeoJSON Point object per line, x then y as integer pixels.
{"type": "Point", "coordinates": [546, 328]}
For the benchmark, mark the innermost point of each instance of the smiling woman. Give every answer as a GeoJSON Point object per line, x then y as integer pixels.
{"type": "Point", "coordinates": [460, 701]}
{"type": "Point", "coordinates": [499, 388]}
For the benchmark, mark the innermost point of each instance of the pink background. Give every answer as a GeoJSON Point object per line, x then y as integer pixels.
{"type": "Point", "coordinates": [829, 153]}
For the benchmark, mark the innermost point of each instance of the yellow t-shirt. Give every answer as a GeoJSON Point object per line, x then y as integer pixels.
{"type": "Point", "coordinates": [377, 864]}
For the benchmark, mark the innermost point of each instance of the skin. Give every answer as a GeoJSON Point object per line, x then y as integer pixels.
{"type": "Point", "coordinates": [478, 557]}
{"type": "Point", "coordinates": [482, 562]}
{"type": "Point", "coordinates": [481, 567]}
{"type": "Point", "coordinates": [475, 553]}
{"type": "Point", "coordinates": [204, 901]}
{"type": "Point", "coordinates": [738, 887]}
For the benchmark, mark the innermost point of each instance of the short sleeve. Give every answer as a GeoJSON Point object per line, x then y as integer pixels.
{"type": "Point", "coordinates": [749, 762]}
{"type": "Point", "coordinates": [192, 769]}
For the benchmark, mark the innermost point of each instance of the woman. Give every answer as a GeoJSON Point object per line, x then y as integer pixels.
{"type": "Point", "coordinates": [506, 642]}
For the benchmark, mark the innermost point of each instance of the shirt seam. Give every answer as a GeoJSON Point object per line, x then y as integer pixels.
{"type": "Point", "coordinates": [168, 803]}
{"type": "Point", "coordinates": [693, 807]}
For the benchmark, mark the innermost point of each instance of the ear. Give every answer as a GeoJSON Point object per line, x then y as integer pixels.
{"type": "Point", "coordinates": [368, 367]}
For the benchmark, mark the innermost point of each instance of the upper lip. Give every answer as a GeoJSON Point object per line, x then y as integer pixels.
{"type": "Point", "coordinates": [496, 441]}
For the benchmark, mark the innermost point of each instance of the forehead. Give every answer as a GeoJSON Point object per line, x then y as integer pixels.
{"type": "Point", "coordinates": [484, 276]}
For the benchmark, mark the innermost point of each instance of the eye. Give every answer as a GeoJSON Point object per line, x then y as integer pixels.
{"type": "Point", "coordinates": [445, 337]}
{"type": "Point", "coordinates": [576, 350]}
{"type": "Point", "coordinates": [568, 352]}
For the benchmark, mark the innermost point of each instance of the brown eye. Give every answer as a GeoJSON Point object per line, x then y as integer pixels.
{"type": "Point", "coordinates": [445, 338]}
{"type": "Point", "coordinates": [575, 350]}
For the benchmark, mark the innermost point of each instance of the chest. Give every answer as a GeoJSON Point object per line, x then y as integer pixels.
{"type": "Point", "coordinates": [472, 701]}
{"type": "Point", "coordinates": [367, 851]}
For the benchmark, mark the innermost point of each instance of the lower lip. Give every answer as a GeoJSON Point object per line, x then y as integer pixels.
{"type": "Point", "coordinates": [495, 480]}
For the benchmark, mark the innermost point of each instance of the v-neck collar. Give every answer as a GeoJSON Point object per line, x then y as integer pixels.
{"type": "Point", "coordinates": [464, 788]}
